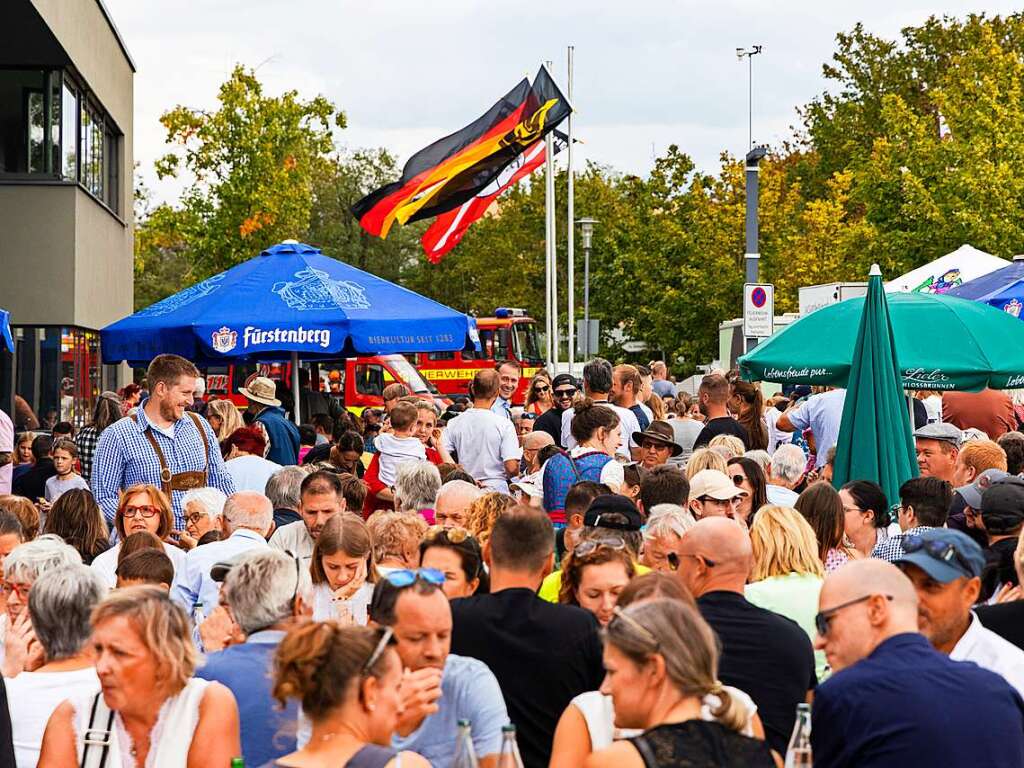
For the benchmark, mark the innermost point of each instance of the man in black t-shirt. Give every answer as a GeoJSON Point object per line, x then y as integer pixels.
{"type": "Point", "coordinates": [766, 655]}
{"type": "Point", "coordinates": [714, 396]}
{"type": "Point", "coordinates": [543, 654]}
{"type": "Point", "coordinates": [563, 388]}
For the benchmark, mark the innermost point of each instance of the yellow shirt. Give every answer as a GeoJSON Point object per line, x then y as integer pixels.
{"type": "Point", "coordinates": [552, 584]}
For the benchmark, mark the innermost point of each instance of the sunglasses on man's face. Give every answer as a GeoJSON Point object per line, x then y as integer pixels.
{"type": "Point", "coordinates": [564, 393]}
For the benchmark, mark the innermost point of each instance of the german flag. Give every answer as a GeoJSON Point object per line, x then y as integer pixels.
{"type": "Point", "coordinates": [447, 230]}
{"type": "Point", "coordinates": [456, 168]}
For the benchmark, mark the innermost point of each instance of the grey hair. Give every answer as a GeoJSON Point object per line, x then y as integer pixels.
{"type": "Point", "coordinates": [44, 553]}
{"type": "Point", "coordinates": [260, 589]}
{"type": "Point", "coordinates": [597, 374]}
{"type": "Point", "coordinates": [284, 487]}
{"type": "Point", "coordinates": [457, 487]}
{"type": "Point", "coordinates": [248, 509]}
{"type": "Point", "coordinates": [632, 539]}
{"type": "Point", "coordinates": [60, 604]}
{"type": "Point", "coordinates": [761, 457]}
{"type": "Point", "coordinates": [212, 500]}
{"type": "Point", "coordinates": [666, 519]}
{"type": "Point", "coordinates": [788, 462]}
{"type": "Point", "coordinates": [416, 485]}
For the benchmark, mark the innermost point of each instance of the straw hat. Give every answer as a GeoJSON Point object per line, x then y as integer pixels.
{"type": "Point", "coordinates": [261, 390]}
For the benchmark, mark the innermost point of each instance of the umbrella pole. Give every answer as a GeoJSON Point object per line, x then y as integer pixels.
{"type": "Point", "coordinates": [296, 395]}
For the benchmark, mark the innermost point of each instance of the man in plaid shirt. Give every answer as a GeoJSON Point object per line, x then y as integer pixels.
{"type": "Point", "coordinates": [161, 445]}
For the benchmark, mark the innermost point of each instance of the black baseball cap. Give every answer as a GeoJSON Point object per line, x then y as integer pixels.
{"type": "Point", "coordinates": [1002, 505]}
{"type": "Point", "coordinates": [562, 379]}
{"type": "Point", "coordinates": [612, 503]}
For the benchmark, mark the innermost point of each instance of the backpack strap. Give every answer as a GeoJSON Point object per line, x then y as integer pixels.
{"type": "Point", "coordinates": [646, 752]}
{"type": "Point", "coordinates": [96, 741]}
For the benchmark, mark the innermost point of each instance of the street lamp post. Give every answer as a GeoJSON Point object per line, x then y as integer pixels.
{"type": "Point", "coordinates": [749, 53]}
{"type": "Point", "coordinates": [587, 233]}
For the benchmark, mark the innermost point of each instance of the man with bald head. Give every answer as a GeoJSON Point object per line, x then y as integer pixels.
{"type": "Point", "coordinates": [452, 503]}
{"type": "Point", "coordinates": [532, 444]}
{"type": "Point", "coordinates": [894, 700]}
{"type": "Point", "coordinates": [484, 442]}
{"type": "Point", "coordinates": [764, 654]}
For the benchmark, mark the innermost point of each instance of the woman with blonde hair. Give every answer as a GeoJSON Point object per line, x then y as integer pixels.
{"type": "Point", "coordinates": [151, 710]}
{"type": "Point", "coordinates": [661, 659]}
{"type": "Point", "coordinates": [728, 446]}
{"type": "Point", "coordinates": [539, 397]}
{"type": "Point", "coordinates": [484, 512]}
{"type": "Point", "coordinates": [705, 458]}
{"type": "Point", "coordinates": [787, 574]}
{"type": "Point", "coordinates": [342, 570]}
{"type": "Point", "coordinates": [224, 418]}
{"type": "Point", "coordinates": [396, 540]}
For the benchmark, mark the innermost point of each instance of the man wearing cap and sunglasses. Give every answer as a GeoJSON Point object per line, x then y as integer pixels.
{"type": "Point", "coordinates": [713, 494]}
{"type": "Point", "coordinates": [945, 567]}
{"type": "Point", "coordinates": [563, 388]}
{"type": "Point", "coordinates": [893, 700]}
{"type": "Point", "coordinates": [439, 688]}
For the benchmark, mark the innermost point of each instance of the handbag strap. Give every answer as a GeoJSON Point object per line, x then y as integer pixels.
{"type": "Point", "coordinates": [97, 737]}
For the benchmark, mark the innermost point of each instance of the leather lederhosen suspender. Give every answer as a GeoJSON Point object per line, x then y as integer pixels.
{"type": "Point", "coordinates": [179, 481]}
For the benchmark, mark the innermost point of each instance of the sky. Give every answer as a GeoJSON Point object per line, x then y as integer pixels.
{"type": "Point", "coordinates": [648, 73]}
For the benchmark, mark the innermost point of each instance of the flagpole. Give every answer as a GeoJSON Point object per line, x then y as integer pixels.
{"type": "Point", "coordinates": [570, 218]}
{"type": "Point", "coordinates": [547, 257]}
{"type": "Point", "coordinates": [552, 244]}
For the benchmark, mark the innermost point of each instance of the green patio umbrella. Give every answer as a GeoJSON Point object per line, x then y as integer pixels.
{"type": "Point", "coordinates": [943, 343]}
{"type": "Point", "coordinates": [875, 442]}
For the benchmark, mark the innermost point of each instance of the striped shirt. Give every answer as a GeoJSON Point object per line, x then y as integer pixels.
{"type": "Point", "coordinates": [125, 458]}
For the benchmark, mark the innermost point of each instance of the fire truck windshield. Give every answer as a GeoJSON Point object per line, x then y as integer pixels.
{"type": "Point", "coordinates": [527, 348]}
{"type": "Point", "coordinates": [409, 374]}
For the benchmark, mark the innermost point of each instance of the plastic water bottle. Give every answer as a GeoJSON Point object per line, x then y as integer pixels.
{"type": "Point", "coordinates": [798, 753]}
{"type": "Point", "coordinates": [465, 754]}
{"type": "Point", "coordinates": [198, 614]}
{"type": "Point", "coordinates": [509, 756]}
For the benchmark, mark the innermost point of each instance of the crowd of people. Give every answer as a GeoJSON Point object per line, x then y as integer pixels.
{"type": "Point", "coordinates": [617, 573]}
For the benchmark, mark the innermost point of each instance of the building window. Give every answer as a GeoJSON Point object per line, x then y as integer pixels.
{"type": "Point", "coordinates": [69, 132]}
{"type": "Point", "coordinates": [49, 126]}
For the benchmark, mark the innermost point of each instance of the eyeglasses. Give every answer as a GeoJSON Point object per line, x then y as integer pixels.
{"type": "Point", "coordinates": [406, 578]}
{"type": "Point", "coordinates": [824, 618]}
{"type": "Point", "coordinates": [542, 388]}
{"type": "Point", "coordinates": [382, 644]}
{"type": "Point", "coordinates": [584, 548]}
{"type": "Point", "coordinates": [738, 480]}
{"type": "Point", "coordinates": [194, 518]}
{"type": "Point", "coordinates": [12, 588]}
{"type": "Point", "coordinates": [146, 511]}
{"type": "Point", "coordinates": [718, 502]}
{"type": "Point", "coordinates": [563, 394]}
{"type": "Point", "coordinates": [673, 559]}
{"type": "Point", "coordinates": [455, 535]}
{"type": "Point", "coordinates": [650, 445]}
{"type": "Point", "coordinates": [940, 550]}
{"type": "Point", "coordinates": [634, 624]}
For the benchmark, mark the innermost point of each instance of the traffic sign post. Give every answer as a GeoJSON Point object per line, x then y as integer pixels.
{"type": "Point", "coordinates": [758, 310]}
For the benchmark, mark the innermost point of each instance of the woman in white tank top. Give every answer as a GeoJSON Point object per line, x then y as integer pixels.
{"type": "Point", "coordinates": [151, 712]}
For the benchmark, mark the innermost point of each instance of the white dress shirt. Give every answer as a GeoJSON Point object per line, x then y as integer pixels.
{"type": "Point", "coordinates": [989, 651]}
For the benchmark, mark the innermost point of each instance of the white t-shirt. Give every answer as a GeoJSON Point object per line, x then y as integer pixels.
{"type": "Point", "coordinates": [484, 441]}
{"type": "Point", "coordinates": [251, 473]}
{"type": "Point", "coordinates": [55, 486]}
{"type": "Point", "coordinates": [32, 697]}
{"type": "Point", "coordinates": [105, 563]}
{"type": "Point", "coordinates": [627, 423]}
{"type": "Point", "coordinates": [393, 451]}
{"type": "Point", "coordinates": [776, 436]}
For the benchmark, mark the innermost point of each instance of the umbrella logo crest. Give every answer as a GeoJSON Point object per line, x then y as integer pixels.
{"type": "Point", "coordinates": [315, 289]}
{"type": "Point", "coordinates": [184, 298]}
{"type": "Point", "coordinates": [1013, 307]}
{"type": "Point", "coordinates": [224, 340]}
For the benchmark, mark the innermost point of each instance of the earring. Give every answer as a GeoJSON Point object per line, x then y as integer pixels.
{"type": "Point", "coordinates": [371, 707]}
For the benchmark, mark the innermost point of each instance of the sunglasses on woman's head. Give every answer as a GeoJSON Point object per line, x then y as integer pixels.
{"type": "Point", "coordinates": [455, 535]}
{"type": "Point", "coordinates": [406, 578]}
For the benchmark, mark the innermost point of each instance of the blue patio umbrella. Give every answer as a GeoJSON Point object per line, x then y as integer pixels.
{"type": "Point", "coordinates": [291, 299]}
{"type": "Point", "coordinates": [5, 330]}
{"type": "Point", "coordinates": [1002, 289]}
{"type": "Point", "coordinates": [290, 302]}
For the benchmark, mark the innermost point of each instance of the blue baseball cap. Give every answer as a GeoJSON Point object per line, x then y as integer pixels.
{"type": "Point", "coordinates": [943, 553]}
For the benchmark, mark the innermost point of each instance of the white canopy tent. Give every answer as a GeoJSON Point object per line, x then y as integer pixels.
{"type": "Point", "coordinates": [963, 264]}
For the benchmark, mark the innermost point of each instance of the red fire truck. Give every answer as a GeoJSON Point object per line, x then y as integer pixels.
{"type": "Point", "coordinates": [359, 381]}
{"type": "Point", "coordinates": [509, 335]}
